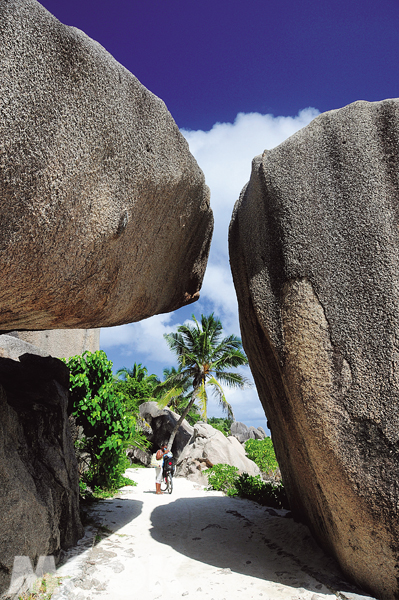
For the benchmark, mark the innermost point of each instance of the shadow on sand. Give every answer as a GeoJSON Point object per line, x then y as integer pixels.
{"type": "Point", "coordinates": [101, 518]}
{"type": "Point", "coordinates": [246, 538]}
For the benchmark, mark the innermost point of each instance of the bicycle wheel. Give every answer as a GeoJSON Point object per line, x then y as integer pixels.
{"type": "Point", "coordinates": [169, 483]}
{"type": "Point", "coordinates": [164, 484]}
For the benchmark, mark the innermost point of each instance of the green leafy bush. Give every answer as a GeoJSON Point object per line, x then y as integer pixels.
{"type": "Point", "coordinates": [263, 492]}
{"type": "Point", "coordinates": [225, 478]}
{"type": "Point", "coordinates": [99, 409]}
{"type": "Point", "coordinates": [222, 478]}
{"type": "Point", "coordinates": [222, 424]}
{"type": "Point", "coordinates": [262, 453]}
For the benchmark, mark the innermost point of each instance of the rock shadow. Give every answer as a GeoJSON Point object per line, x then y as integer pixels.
{"type": "Point", "coordinates": [241, 536]}
{"type": "Point", "coordinates": [103, 518]}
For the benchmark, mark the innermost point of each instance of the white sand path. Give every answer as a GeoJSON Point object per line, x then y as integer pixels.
{"type": "Point", "coordinates": [195, 544]}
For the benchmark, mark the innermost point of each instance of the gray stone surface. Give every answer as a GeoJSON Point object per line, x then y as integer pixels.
{"type": "Point", "coordinates": [105, 215]}
{"type": "Point", "coordinates": [61, 343]}
{"type": "Point", "coordinates": [314, 250]}
{"type": "Point", "coordinates": [162, 423]}
{"type": "Point", "coordinates": [243, 433]}
{"type": "Point", "coordinates": [39, 492]}
{"type": "Point", "coordinates": [209, 447]}
{"type": "Point", "coordinates": [135, 454]}
{"type": "Point", "coordinates": [12, 347]}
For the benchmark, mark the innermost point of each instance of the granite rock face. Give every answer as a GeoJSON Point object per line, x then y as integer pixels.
{"type": "Point", "coordinates": [12, 347]}
{"type": "Point", "coordinates": [104, 213]}
{"type": "Point", "coordinates": [162, 423]}
{"type": "Point", "coordinates": [314, 250]}
{"type": "Point", "coordinates": [208, 447]}
{"type": "Point", "coordinates": [39, 491]}
{"type": "Point", "coordinates": [61, 343]}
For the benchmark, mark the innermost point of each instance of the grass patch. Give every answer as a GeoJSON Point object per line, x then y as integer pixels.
{"type": "Point", "coordinates": [43, 588]}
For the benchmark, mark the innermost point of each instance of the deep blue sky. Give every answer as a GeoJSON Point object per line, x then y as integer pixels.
{"type": "Point", "coordinates": [210, 60]}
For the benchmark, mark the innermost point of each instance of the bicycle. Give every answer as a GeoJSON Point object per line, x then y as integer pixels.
{"type": "Point", "coordinates": [167, 481]}
{"type": "Point", "coordinates": [167, 475]}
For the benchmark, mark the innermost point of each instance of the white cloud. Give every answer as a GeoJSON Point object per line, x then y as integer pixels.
{"type": "Point", "coordinates": [225, 155]}
{"type": "Point", "coordinates": [144, 340]}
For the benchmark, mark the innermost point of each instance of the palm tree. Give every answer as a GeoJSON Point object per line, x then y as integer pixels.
{"type": "Point", "coordinates": [171, 392]}
{"type": "Point", "coordinates": [204, 357]}
{"type": "Point", "coordinates": [137, 372]}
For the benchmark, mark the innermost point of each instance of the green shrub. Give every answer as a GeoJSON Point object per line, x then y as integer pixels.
{"type": "Point", "coordinates": [263, 492]}
{"type": "Point", "coordinates": [99, 409]}
{"type": "Point", "coordinates": [222, 478]}
{"type": "Point", "coordinates": [222, 424]}
{"type": "Point", "coordinates": [225, 478]}
{"type": "Point", "coordinates": [262, 453]}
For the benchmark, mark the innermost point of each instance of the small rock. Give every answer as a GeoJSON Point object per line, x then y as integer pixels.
{"type": "Point", "coordinates": [226, 571]}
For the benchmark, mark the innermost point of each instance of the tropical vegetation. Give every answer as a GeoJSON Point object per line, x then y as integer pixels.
{"type": "Point", "coordinates": [262, 453]}
{"type": "Point", "coordinates": [205, 360]}
{"type": "Point", "coordinates": [106, 406]}
{"type": "Point", "coordinates": [222, 424]}
{"type": "Point", "coordinates": [98, 407]}
{"type": "Point", "coordinates": [225, 478]}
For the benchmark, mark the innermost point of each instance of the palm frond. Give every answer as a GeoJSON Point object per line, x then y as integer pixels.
{"type": "Point", "coordinates": [219, 393]}
{"type": "Point", "coordinates": [174, 392]}
{"type": "Point", "coordinates": [234, 380]}
{"type": "Point", "coordinates": [202, 397]}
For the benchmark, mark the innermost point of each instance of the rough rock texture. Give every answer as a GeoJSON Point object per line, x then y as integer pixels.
{"type": "Point", "coordinates": [12, 347]}
{"type": "Point", "coordinates": [314, 250]}
{"type": "Point", "coordinates": [39, 491]}
{"type": "Point", "coordinates": [104, 213]}
{"type": "Point", "coordinates": [243, 433]}
{"type": "Point", "coordinates": [61, 343]}
{"type": "Point", "coordinates": [208, 447]}
{"type": "Point", "coordinates": [135, 454]}
{"type": "Point", "coordinates": [162, 423]}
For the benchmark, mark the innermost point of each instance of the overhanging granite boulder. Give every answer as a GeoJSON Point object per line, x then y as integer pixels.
{"type": "Point", "coordinates": [104, 213]}
{"type": "Point", "coordinates": [314, 250]}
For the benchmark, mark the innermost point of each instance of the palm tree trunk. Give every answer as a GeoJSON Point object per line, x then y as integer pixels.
{"type": "Point", "coordinates": [182, 417]}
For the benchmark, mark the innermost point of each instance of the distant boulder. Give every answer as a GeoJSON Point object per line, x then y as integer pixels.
{"type": "Point", "coordinates": [137, 455]}
{"type": "Point", "coordinates": [243, 433]}
{"type": "Point", "coordinates": [104, 213]}
{"type": "Point", "coordinates": [208, 447]}
{"type": "Point", "coordinates": [162, 423]}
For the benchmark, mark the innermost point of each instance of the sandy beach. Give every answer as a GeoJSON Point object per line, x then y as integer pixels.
{"type": "Point", "coordinates": [195, 544]}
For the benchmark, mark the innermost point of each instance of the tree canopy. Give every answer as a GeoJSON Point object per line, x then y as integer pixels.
{"type": "Point", "coordinates": [205, 359]}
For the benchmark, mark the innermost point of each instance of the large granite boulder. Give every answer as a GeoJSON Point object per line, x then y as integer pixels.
{"type": "Point", "coordinates": [105, 216]}
{"type": "Point", "coordinates": [208, 447]}
{"type": "Point", "coordinates": [39, 491]}
{"type": "Point", "coordinates": [162, 422]}
{"type": "Point", "coordinates": [314, 250]}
